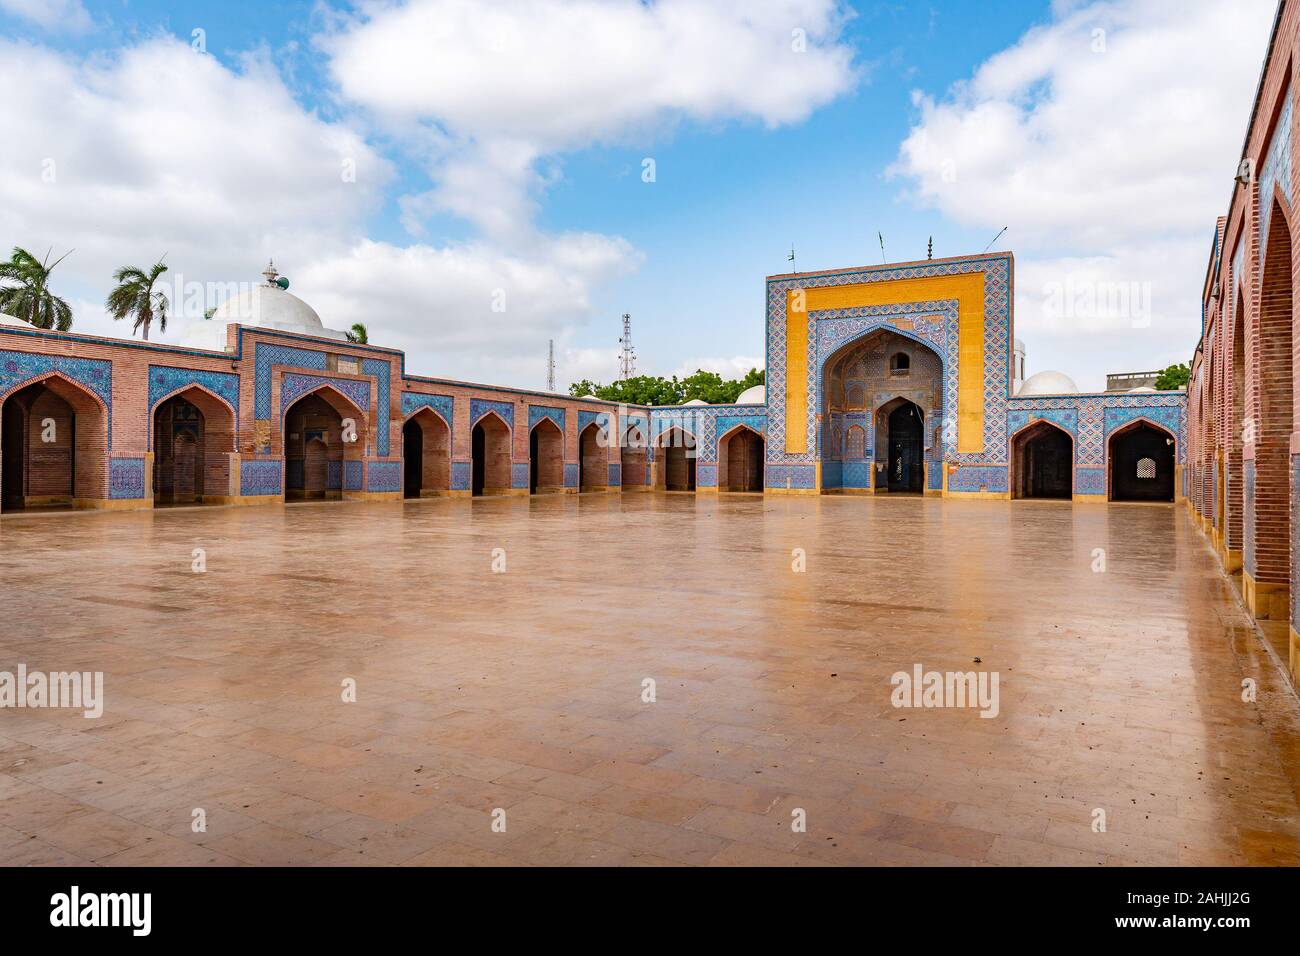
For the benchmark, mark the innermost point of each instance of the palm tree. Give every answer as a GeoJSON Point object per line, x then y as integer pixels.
{"type": "Point", "coordinates": [31, 299]}
{"type": "Point", "coordinates": [135, 297]}
{"type": "Point", "coordinates": [358, 334]}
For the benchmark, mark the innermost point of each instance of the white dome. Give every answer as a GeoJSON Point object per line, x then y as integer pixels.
{"type": "Point", "coordinates": [265, 306]}
{"type": "Point", "coordinates": [1048, 383]}
{"type": "Point", "coordinates": [695, 401]}
{"type": "Point", "coordinates": [270, 307]}
{"type": "Point", "coordinates": [1019, 345]}
{"type": "Point", "coordinates": [753, 396]}
{"type": "Point", "coordinates": [10, 320]}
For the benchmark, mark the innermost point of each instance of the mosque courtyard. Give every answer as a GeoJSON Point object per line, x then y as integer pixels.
{"type": "Point", "coordinates": [652, 679]}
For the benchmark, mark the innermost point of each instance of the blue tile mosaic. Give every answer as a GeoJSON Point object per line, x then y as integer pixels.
{"type": "Point", "coordinates": [537, 412]}
{"type": "Point", "coordinates": [126, 478]}
{"type": "Point", "coordinates": [260, 476]}
{"type": "Point", "coordinates": [478, 407]}
{"type": "Point", "coordinates": [384, 476]}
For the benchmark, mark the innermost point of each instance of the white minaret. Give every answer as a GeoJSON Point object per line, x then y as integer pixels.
{"type": "Point", "coordinates": [1018, 367]}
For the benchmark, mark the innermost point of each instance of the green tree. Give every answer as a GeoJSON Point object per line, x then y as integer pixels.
{"type": "Point", "coordinates": [1174, 377]}
{"type": "Point", "coordinates": [655, 390]}
{"type": "Point", "coordinates": [358, 334]}
{"type": "Point", "coordinates": [135, 297]}
{"type": "Point", "coordinates": [30, 299]}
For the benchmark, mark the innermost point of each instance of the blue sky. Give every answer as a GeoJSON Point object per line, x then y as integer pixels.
{"type": "Point", "coordinates": [746, 163]}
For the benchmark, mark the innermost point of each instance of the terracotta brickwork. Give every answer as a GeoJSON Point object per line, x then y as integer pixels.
{"type": "Point", "coordinates": [1243, 392]}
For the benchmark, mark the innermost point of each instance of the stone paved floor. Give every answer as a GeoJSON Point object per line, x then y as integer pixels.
{"type": "Point", "coordinates": [523, 690]}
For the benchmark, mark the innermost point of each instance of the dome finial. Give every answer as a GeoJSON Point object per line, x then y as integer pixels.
{"type": "Point", "coordinates": [269, 272]}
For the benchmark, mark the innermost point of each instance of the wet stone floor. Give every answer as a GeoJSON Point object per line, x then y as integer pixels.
{"type": "Point", "coordinates": [646, 679]}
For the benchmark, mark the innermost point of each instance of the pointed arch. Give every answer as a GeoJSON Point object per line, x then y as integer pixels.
{"type": "Point", "coordinates": [491, 438]}
{"type": "Point", "coordinates": [1141, 458]}
{"type": "Point", "coordinates": [323, 458]}
{"type": "Point", "coordinates": [741, 452]}
{"type": "Point", "coordinates": [198, 469]}
{"type": "Point", "coordinates": [675, 459]}
{"type": "Point", "coordinates": [1042, 461]}
{"type": "Point", "coordinates": [593, 460]}
{"type": "Point", "coordinates": [426, 454]}
{"type": "Point", "coordinates": [545, 458]}
{"type": "Point", "coordinates": [36, 471]}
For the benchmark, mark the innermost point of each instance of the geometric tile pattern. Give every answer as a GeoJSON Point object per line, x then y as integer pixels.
{"type": "Point", "coordinates": [478, 407]}
{"type": "Point", "coordinates": [293, 386]}
{"type": "Point", "coordinates": [997, 345]}
{"type": "Point", "coordinates": [537, 412]}
{"type": "Point", "coordinates": [18, 368]}
{"type": "Point", "coordinates": [381, 371]}
{"type": "Point", "coordinates": [264, 357]}
{"type": "Point", "coordinates": [126, 478]}
{"type": "Point", "coordinates": [442, 405]}
{"type": "Point", "coordinates": [164, 380]}
{"type": "Point", "coordinates": [384, 476]}
{"type": "Point", "coordinates": [260, 476]}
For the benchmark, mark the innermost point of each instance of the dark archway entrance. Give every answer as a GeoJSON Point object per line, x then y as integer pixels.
{"type": "Point", "coordinates": [490, 449]}
{"type": "Point", "coordinates": [593, 466]}
{"type": "Point", "coordinates": [677, 457]}
{"type": "Point", "coordinates": [317, 447]}
{"type": "Point", "coordinates": [193, 436]}
{"type": "Point", "coordinates": [740, 460]}
{"type": "Point", "coordinates": [412, 459]}
{"type": "Point", "coordinates": [904, 424]}
{"type": "Point", "coordinates": [54, 446]}
{"type": "Point", "coordinates": [632, 457]}
{"type": "Point", "coordinates": [1141, 463]}
{"type": "Point", "coordinates": [546, 458]}
{"type": "Point", "coordinates": [426, 455]}
{"type": "Point", "coordinates": [1043, 456]}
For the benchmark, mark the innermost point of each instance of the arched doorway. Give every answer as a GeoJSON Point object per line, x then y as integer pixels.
{"type": "Point", "coordinates": [490, 450]}
{"type": "Point", "coordinates": [1270, 528]}
{"type": "Point", "coordinates": [1235, 490]}
{"type": "Point", "coordinates": [426, 455]}
{"type": "Point", "coordinates": [740, 460]}
{"type": "Point", "coordinates": [593, 462]}
{"type": "Point", "coordinates": [676, 453]}
{"type": "Point", "coordinates": [318, 449]}
{"type": "Point", "coordinates": [55, 445]}
{"type": "Point", "coordinates": [193, 438]}
{"type": "Point", "coordinates": [1141, 460]}
{"type": "Point", "coordinates": [546, 458]}
{"type": "Point", "coordinates": [900, 446]}
{"type": "Point", "coordinates": [882, 388]}
{"type": "Point", "coordinates": [632, 456]}
{"type": "Point", "coordinates": [1042, 462]}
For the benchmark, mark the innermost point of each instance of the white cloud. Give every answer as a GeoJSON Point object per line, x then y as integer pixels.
{"type": "Point", "coordinates": [1107, 141]}
{"type": "Point", "coordinates": [735, 367]}
{"type": "Point", "coordinates": [54, 15]}
{"type": "Point", "coordinates": [163, 150]}
{"type": "Point", "coordinates": [156, 149]}
{"type": "Point", "coordinates": [506, 82]}
{"type": "Point", "coordinates": [468, 311]}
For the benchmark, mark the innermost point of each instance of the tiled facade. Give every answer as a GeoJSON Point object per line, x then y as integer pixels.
{"type": "Point", "coordinates": [943, 309]}
{"type": "Point", "coordinates": [1242, 459]}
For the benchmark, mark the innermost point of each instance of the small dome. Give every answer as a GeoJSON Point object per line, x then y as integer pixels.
{"type": "Point", "coordinates": [1019, 345]}
{"type": "Point", "coordinates": [11, 320]}
{"type": "Point", "coordinates": [267, 305]}
{"type": "Point", "coordinates": [1049, 383]}
{"type": "Point", "coordinates": [753, 396]}
{"type": "Point", "coordinates": [1141, 388]}
{"type": "Point", "coordinates": [695, 401]}
{"type": "Point", "coordinates": [271, 307]}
